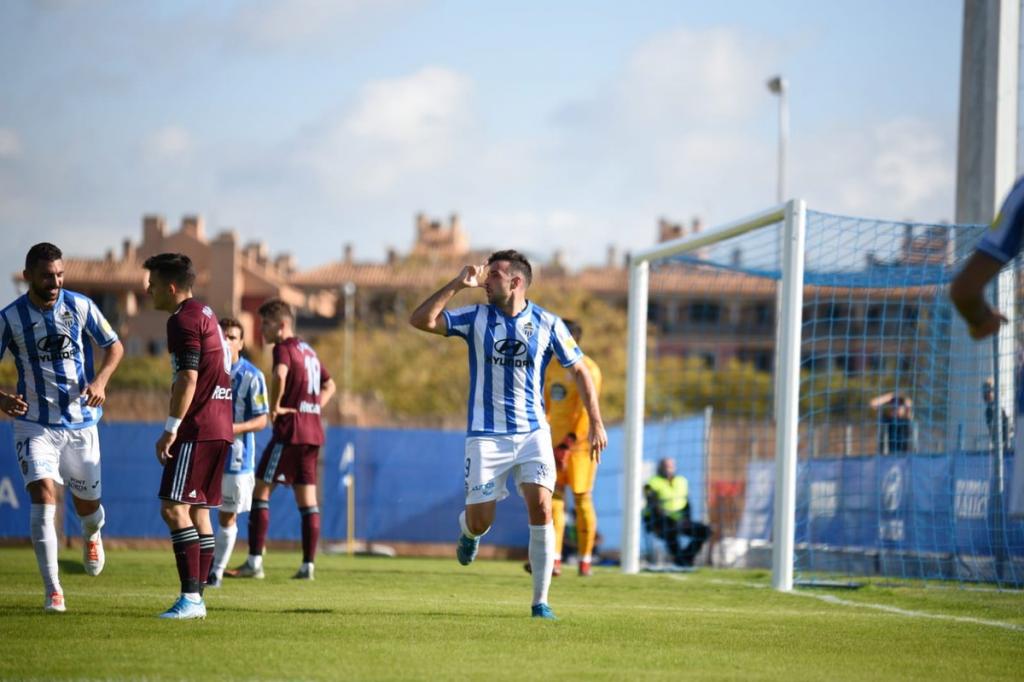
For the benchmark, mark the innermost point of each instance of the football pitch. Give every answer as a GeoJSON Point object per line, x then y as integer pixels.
{"type": "Point", "coordinates": [378, 618]}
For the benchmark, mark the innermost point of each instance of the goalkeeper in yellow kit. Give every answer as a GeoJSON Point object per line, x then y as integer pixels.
{"type": "Point", "coordinates": [576, 466]}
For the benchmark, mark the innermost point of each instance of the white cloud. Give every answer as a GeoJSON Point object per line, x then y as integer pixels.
{"type": "Point", "coordinates": [168, 143]}
{"type": "Point", "coordinates": [706, 77]}
{"type": "Point", "coordinates": [397, 128]}
{"type": "Point", "coordinates": [902, 168]}
{"type": "Point", "coordinates": [10, 144]}
{"type": "Point", "coordinates": [287, 23]}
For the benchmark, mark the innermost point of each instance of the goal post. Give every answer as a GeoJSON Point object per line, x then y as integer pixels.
{"type": "Point", "coordinates": [792, 215]}
{"type": "Point", "coordinates": [856, 432]}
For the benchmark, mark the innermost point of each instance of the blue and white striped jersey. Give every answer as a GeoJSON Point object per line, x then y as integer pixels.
{"type": "Point", "coordinates": [508, 357]}
{"type": "Point", "coordinates": [1003, 240]}
{"type": "Point", "coordinates": [53, 358]}
{"type": "Point", "coordinates": [249, 396]}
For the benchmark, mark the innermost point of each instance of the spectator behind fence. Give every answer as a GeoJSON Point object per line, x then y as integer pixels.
{"type": "Point", "coordinates": [667, 514]}
{"type": "Point", "coordinates": [895, 422]}
{"type": "Point", "coordinates": [988, 395]}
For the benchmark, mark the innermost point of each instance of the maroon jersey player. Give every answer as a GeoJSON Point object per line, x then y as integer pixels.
{"type": "Point", "coordinates": [299, 388]}
{"type": "Point", "coordinates": [198, 433]}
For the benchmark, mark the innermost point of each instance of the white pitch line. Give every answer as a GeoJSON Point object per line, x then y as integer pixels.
{"type": "Point", "coordinates": [895, 610]}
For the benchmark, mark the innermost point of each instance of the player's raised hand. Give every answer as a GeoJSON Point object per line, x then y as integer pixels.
{"type": "Point", "coordinates": [163, 447]}
{"type": "Point", "coordinates": [13, 405]}
{"type": "Point", "coordinates": [988, 327]}
{"type": "Point", "coordinates": [473, 275]}
{"type": "Point", "coordinates": [598, 441]}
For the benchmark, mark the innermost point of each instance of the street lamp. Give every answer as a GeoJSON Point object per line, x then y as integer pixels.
{"type": "Point", "coordinates": [350, 313]}
{"type": "Point", "coordinates": [779, 86]}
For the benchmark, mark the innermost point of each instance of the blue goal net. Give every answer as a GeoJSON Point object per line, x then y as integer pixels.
{"type": "Point", "coordinates": [906, 427]}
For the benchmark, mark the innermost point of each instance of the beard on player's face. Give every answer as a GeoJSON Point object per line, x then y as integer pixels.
{"type": "Point", "coordinates": [46, 280]}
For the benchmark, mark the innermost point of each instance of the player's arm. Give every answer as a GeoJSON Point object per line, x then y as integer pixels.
{"type": "Point", "coordinates": [257, 423]}
{"type": "Point", "coordinates": [182, 391]}
{"type": "Point", "coordinates": [278, 376]}
{"type": "Point", "coordinates": [588, 394]}
{"type": "Point", "coordinates": [428, 316]}
{"type": "Point", "coordinates": [968, 295]}
{"type": "Point", "coordinates": [327, 390]}
{"type": "Point", "coordinates": [12, 404]}
{"type": "Point", "coordinates": [96, 391]}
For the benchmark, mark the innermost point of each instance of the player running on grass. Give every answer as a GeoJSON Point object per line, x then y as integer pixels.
{"type": "Point", "coordinates": [249, 397]}
{"type": "Point", "coordinates": [511, 340]}
{"type": "Point", "coordinates": [57, 406]}
{"type": "Point", "coordinates": [1000, 245]}
{"type": "Point", "coordinates": [198, 434]}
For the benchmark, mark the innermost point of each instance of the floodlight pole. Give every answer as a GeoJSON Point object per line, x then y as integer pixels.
{"type": "Point", "coordinates": [779, 86]}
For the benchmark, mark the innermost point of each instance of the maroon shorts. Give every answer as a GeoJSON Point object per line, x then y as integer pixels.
{"type": "Point", "coordinates": [193, 474]}
{"type": "Point", "coordinates": [287, 463]}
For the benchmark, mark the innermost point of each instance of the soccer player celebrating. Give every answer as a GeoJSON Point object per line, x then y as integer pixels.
{"type": "Point", "coordinates": [299, 388]}
{"type": "Point", "coordinates": [999, 246]}
{"type": "Point", "coordinates": [249, 394]}
{"type": "Point", "coordinates": [58, 402]}
{"type": "Point", "coordinates": [511, 340]}
{"type": "Point", "coordinates": [575, 468]}
{"type": "Point", "coordinates": [198, 433]}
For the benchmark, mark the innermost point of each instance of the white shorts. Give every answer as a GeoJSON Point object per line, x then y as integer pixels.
{"type": "Point", "coordinates": [490, 459]}
{"type": "Point", "coordinates": [237, 491]}
{"type": "Point", "coordinates": [69, 457]}
{"type": "Point", "coordinates": [1016, 506]}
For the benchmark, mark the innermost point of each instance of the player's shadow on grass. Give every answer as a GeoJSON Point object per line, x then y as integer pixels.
{"type": "Point", "coordinates": [69, 566]}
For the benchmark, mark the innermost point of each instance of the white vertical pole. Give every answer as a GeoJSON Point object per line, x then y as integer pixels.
{"type": "Point", "coordinates": [636, 363]}
{"type": "Point", "coordinates": [788, 399]}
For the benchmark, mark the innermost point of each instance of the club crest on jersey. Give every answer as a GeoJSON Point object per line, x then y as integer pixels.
{"type": "Point", "coordinates": [528, 330]}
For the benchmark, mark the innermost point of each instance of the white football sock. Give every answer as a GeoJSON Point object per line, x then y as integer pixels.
{"type": "Point", "coordinates": [92, 523]}
{"type": "Point", "coordinates": [542, 560]}
{"type": "Point", "coordinates": [256, 560]}
{"type": "Point", "coordinates": [225, 544]}
{"type": "Point", "coordinates": [465, 528]}
{"type": "Point", "coordinates": [44, 542]}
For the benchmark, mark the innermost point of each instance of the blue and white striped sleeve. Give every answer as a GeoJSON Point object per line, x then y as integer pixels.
{"type": "Point", "coordinates": [1003, 239]}
{"type": "Point", "coordinates": [565, 346]}
{"type": "Point", "coordinates": [5, 335]}
{"type": "Point", "coordinates": [459, 322]}
{"type": "Point", "coordinates": [97, 327]}
{"type": "Point", "coordinates": [258, 394]}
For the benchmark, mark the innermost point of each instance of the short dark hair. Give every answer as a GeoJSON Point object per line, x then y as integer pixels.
{"type": "Point", "coordinates": [43, 252]}
{"type": "Point", "coordinates": [517, 262]}
{"type": "Point", "coordinates": [276, 310]}
{"type": "Point", "coordinates": [174, 268]}
{"type": "Point", "coordinates": [575, 329]}
{"type": "Point", "coordinates": [227, 323]}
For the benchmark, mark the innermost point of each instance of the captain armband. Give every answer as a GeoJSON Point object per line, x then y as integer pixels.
{"type": "Point", "coordinates": [186, 359]}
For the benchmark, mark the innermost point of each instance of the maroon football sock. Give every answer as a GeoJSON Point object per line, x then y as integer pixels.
{"type": "Point", "coordinates": [259, 521]}
{"type": "Point", "coordinates": [206, 547]}
{"type": "Point", "coordinates": [310, 532]}
{"type": "Point", "coordinates": [185, 542]}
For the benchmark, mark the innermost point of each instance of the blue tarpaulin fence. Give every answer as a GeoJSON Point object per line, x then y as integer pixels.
{"type": "Point", "coordinates": [920, 515]}
{"type": "Point", "coordinates": [408, 485]}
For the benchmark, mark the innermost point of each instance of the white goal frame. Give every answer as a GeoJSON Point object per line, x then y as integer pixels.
{"type": "Point", "coordinates": [793, 216]}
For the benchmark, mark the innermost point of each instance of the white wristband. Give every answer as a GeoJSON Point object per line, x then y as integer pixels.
{"type": "Point", "coordinates": [172, 424]}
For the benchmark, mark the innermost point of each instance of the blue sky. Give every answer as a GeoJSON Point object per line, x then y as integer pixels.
{"type": "Point", "coordinates": [570, 125]}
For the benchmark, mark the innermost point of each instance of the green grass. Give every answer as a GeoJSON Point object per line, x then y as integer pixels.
{"type": "Point", "coordinates": [431, 619]}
